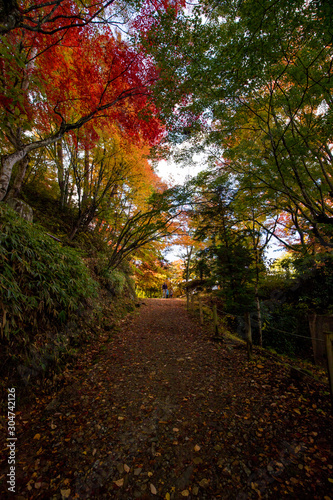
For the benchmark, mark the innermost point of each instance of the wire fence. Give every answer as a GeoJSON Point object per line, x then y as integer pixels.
{"type": "Point", "coordinates": [225, 315]}
{"type": "Point", "coordinates": [289, 333]}
{"type": "Point", "coordinates": [247, 321]}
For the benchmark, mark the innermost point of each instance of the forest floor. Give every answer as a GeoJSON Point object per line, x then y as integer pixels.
{"type": "Point", "coordinates": [159, 410]}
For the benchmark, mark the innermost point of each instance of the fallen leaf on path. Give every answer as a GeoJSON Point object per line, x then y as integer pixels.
{"type": "Point", "coordinates": [65, 493]}
{"type": "Point", "coordinates": [204, 482]}
{"type": "Point", "coordinates": [119, 483]}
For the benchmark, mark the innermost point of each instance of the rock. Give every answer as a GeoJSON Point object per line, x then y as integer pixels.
{"type": "Point", "coordinates": [23, 209]}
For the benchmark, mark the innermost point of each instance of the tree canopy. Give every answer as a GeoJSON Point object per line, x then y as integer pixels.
{"type": "Point", "coordinates": [92, 92]}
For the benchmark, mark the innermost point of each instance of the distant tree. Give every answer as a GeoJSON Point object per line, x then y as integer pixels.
{"type": "Point", "coordinates": [137, 228]}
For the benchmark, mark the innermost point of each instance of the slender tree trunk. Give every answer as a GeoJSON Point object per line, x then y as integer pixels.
{"type": "Point", "coordinates": [60, 166]}
{"type": "Point", "coordinates": [86, 178]}
{"type": "Point", "coordinates": [188, 262]}
{"type": "Point", "coordinates": [74, 231]}
{"type": "Point", "coordinates": [258, 315]}
{"type": "Point", "coordinates": [21, 154]}
{"type": "Point", "coordinates": [82, 222]}
{"type": "Point", "coordinates": [256, 289]}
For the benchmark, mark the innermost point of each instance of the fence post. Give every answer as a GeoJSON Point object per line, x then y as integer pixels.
{"type": "Point", "coordinates": [329, 351]}
{"type": "Point", "coordinates": [192, 301]}
{"type": "Point", "coordinates": [216, 326]}
{"type": "Point", "coordinates": [200, 310]}
{"type": "Point", "coordinates": [187, 300]}
{"type": "Point", "coordinates": [248, 336]}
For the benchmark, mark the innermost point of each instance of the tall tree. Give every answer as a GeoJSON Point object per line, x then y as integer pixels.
{"type": "Point", "coordinates": [259, 81]}
{"type": "Point", "coordinates": [53, 84]}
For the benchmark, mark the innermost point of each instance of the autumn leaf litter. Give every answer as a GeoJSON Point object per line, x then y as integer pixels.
{"type": "Point", "coordinates": [161, 411]}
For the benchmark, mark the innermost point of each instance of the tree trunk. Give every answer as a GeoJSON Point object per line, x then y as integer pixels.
{"type": "Point", "coordinates": [7, 164]}
{"type": "Point", "coordinates": [16, 187]}
{"type": "Point", "coordinates": [256, 292]}
{"type": "Point", "coordinates": [259, 316]}
{"type": "Point", "coordinates": [60, 167]}
{"type": "Point", "coordinates": [188, 262]}
{"type": "Point", "coordinates": [82, 222]}
{"type": "Point", "coordinates": [86, 178]}
{"type": "Point", "coordinates": [8, 161]}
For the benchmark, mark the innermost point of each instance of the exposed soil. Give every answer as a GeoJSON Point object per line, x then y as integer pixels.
{"type": "Point", "coordinates": [162, 411]}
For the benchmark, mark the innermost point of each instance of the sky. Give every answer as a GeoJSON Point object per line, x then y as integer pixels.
{"type": "Point", "coordinates": [173, 173]}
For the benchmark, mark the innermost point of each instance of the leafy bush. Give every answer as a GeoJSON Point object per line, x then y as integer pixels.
{"type": "Point", "coordinates": [42, 284]}
{"type": "Point", "coordinates": [285, 329]}
{"type": "Point", "coordinates": [315, 276]}
{"type": "Point", "coordinates": [117, 282]}
{"type": "Point", "coordinates": [303, 285]}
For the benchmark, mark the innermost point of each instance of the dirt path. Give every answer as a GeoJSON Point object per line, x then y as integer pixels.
{"type": "Point", "coordinates": [163, 412]}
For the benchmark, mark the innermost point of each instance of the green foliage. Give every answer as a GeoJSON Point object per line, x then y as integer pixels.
{"type": "Point", "coordinates": [235, 274]}
{"type": "Point", "coordinates": [301, 285]}
{"type": "Point", "coordinates": [259, 76]}
{"type": "Point", "coordinates": [277, 326]}
{"type": "Point", "coordinates": [42, 285]}
{"type": "Point", "coordinates": [305, 281]}
{"type": "Point", "coordinates": [282, 325]}
{"type": "Point", "coordinates": [117, 282]}
{"type": "Point", "coordinates": [315, 278]}
{"type": "Point", "coordinates": [113, 280]}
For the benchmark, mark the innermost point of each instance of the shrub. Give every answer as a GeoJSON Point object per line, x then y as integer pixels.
{"type": "Point", "coordinates": [42, 284]}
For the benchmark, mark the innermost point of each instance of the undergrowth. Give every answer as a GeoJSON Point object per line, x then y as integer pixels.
{"type": "Point", "coordinates": [42, 287]}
